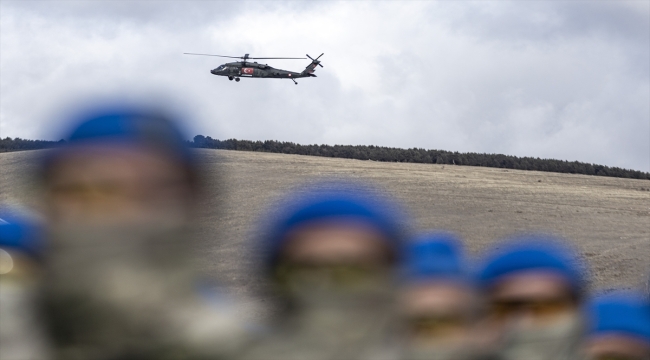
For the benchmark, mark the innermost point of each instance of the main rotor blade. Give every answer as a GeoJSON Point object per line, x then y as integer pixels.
{"type": "Point", "coordinates": [245, 57]}
{"type": "Point", "coordinates": [232, 57]}
{"type": "Point", "coordinates": [267, 58]}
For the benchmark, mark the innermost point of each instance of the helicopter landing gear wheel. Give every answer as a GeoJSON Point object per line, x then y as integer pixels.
{"type": "Point", "coordinates": [237, 79]}
{"type": "Point", "coordinates": [230, 78]}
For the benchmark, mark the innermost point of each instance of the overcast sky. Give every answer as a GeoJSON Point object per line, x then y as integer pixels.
{"type": "Point", "coordinates": [553, 79]}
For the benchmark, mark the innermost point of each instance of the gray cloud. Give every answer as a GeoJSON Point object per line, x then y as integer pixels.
{"type": "Point", "coordinates": [567, 80]}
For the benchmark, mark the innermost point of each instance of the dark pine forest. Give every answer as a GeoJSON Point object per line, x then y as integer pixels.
{"type": "Point", "coordinates": [415, 155]}
{"type": "Point", "coordinates": [380, 153]}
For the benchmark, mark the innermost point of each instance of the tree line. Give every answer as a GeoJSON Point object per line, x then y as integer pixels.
{"type": "Point", "coordinates": [416, 155]}
{"type": "Point", "coordinates": [18, 144]}
{"type": "Point", "coordinates": [379, 153]}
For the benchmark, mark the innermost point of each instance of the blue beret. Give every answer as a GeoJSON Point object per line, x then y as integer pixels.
{"type": "Point", "coordinates": [533, 252]}
{"type": "Point", "coordinates": [333, 202]}
{"type": "Point", "coordinates": [123, 125]}
{"type": "Point", "coordinates": [435, 256]}
{"type": "Point", "coordinates": [21, 235]}
{"type": "Point", "coordinates": [622, 313]}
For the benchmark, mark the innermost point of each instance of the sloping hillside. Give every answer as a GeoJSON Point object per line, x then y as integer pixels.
{"type": "Point", "coordinates": [607, 218]}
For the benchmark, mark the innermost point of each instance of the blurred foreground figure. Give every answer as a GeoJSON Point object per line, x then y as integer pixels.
{"type": "Point", "coordinates": [119, 198]}
{"type": "Point", "coordinates": [331, 255]}
{"type": "Point", "coordinates": [21, 269]}
{"type": "Point", "coordinates": [438, 300]}
{"type": "Point", "coordinates": [619, 328]}
{"type": "Point", "coordinates": [534, 288]}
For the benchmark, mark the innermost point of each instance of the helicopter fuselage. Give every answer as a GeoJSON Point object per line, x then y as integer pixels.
{"type": "Point", "coordinates": [238, 69]}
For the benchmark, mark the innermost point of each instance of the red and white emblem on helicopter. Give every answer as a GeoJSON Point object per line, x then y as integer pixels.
{"type": "Point", "coordinates": [247, 71]}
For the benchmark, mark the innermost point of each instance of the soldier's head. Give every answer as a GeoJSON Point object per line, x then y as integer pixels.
{"type": "Point", "coordinates": [438, 297]}
{"type": "Point", "coordinates": [618, 327]}
{"type": "Point", "coordinates": [534, 287]}
{"type": "Point", "coordinates": [22, 248]}
{"type": "Point", "coordinates": [121, 165]}
{"type": "Point", "coordinates": [533, 281]}
{"type": "Point", "coordinates": [333, 239]}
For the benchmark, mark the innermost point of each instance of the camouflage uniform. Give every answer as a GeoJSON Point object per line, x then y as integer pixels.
{"type": "Point", "coordinates": [330, 334]}
{"type": "Point", "coordinates": [110, 303]}
{"type": "Point", "coordinates": [560, 342]}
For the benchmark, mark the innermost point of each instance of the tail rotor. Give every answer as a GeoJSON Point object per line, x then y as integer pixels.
{"type": "Point", "coordinates": [315, 61]}
{"type": "Point", "coordinates": [309, 70]}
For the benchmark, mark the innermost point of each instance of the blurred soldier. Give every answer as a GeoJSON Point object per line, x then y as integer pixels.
{"type": "Point", "coordinates": [21, 262]}
{"type": "Point", "coordinates": [534, 288]}
{"type": "Point", "coordinates": [119, 199]}
{"type": "Point", "coordinates": [619, 328]}
{"type": "Point", "coordinates": [331, 255]}
{"type": "Point", "coordinates": [438, 299]}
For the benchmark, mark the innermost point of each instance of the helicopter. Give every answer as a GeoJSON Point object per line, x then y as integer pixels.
{"type": "Point", "coordinates": [239, 69]}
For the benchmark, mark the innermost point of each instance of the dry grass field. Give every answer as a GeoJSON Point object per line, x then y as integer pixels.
{"type": "Point", "coordinates": [608, 219]}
